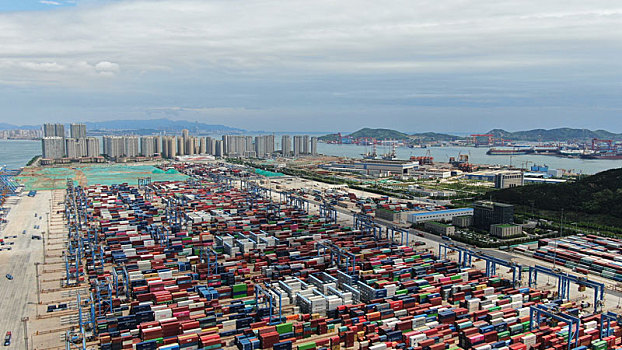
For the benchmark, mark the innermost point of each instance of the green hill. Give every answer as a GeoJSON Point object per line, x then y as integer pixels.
{"type": "Point", "coordinates": [596, 198]}
{"type": "Point", "coordinates": [379, 134]}
{"type": "Point", "coordinates": [434, 136]}
{"type": "Point", "coordinates": [388, 134]}
{"type": "Point", "coordinates": [329, 138]}
{"type": "Point", "coordinates": [560, 134]}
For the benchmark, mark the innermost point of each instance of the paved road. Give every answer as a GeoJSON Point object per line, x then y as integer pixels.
{"type": "Point", "coordinates": [17, 296]}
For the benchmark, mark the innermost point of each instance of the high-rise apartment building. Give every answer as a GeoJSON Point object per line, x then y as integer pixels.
{"type": "Point", "coordinates": [286, 145]}
{"type": "Point", "coordinates": [314, 146]}
{"type": "Point", "coordinates": [50, 130]}
{"type": "Point", "coordinates": [158, 145]}
{"type": "Point", "coordinates": [210, 145]}
{"type": "Point", "coordinates": [131, 146]}
{"type": "Point", "coordinates": [305, 144]}
{"type": "Point", "coordinates": [77, 145]}
{"type": "Point", "coordinates": [249, 148]}
{"type": "Point", "coordinates": [114, 146]}
{"type": "Point", "coordinates": [92, 147]}
{"type": "Point", "coordinates": [269, 144]}
{"type": "Point", "coordinates": [73, 148]}
{"type": "Point", "coordinates": [264, 146]}
{"type": "Point", "coordinates": [181, 146]}
{"type": "Point", "coordinates": [169, 146]}
{"type": "Point", "coordinates": [53, 147]}
{"type": "Point", "coordinates": [191, 145]}
{"type": "Point", "coordinates": [54, 130]}
{"type": "Point", "coordinates": [298, 145]}
{"type": "Point", "coordinates": [260, 146]}
{"type": "Point", "coordinates": [148, 145]}
{"type": "Point", "coordinates": [77, 131]}
{"type": "Point", "coordinates": [218, 148]}
{"type": "Point", "coordinates": [238, 146]}
{"type": "Point", "coordinates": [202, 145]}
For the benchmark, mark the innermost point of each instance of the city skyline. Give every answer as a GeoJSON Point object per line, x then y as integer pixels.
{"type": "Point", "coordinates": [59, 148]}
{"type": "Point", "coordinates": [321, 66]}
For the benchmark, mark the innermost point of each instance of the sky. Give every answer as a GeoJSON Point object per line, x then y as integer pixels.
{"type": "Point", "coordinates": [410, 65]}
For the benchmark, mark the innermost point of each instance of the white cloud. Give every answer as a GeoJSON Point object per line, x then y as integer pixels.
{"type": "Point", "coordinates": [48, 2]}
{"type": "Point", "coordinates": [42, 67]}
{"type": "Point", "coordinates": [106, 68]}
{"type": "Point", "coordinates": [273, 37]}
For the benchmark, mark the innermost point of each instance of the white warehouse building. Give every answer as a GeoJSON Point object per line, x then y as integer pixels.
{"type": "Point", "coordinates": [438, 215]}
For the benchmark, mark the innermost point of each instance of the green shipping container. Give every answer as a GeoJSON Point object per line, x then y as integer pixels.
{"type": "Point", "coordinates": [306, 346]}
{"type": "Point", "coordinates": [284, 328]}
{"type": "Point", "coordinates": [239, 287]}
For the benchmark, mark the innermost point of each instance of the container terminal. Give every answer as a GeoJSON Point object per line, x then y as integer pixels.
{"type": "Point", "coordinates": [219, 261]}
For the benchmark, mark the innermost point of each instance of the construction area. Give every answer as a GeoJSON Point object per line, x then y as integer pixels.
{"type": "Point", "coordinates": [219, 260]}
{"type": "Point", "coordinates": [54, 178]}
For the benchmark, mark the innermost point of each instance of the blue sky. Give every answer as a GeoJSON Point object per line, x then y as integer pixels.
{"type": "Point", "coordinates": [412, 65]}
{"type": "Point", "coordinates": [33, 5]}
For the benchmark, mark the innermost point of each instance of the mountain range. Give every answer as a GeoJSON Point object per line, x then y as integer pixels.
{"type": "Point", "coordinates": [149, 126]}
{"type": "Point", "coordinates": [559, 134]}
{"type": "Point", "coordinates": [535, 135]}
{"type": "Point", "coordinates": [7, 126]}
{"type": "Point", "coordinates": [159, 125]}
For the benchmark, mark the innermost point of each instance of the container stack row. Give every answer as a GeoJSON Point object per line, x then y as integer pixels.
{"type": "Point", "coordinates": [203, 265]}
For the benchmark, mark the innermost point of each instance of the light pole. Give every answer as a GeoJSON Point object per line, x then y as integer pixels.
{"type": "Point", "coordinates": [25, 321]}
{"type": "Point", "coordinates": [561, 230]}
{"type": "Point", "coordinates": [48, 223]}
{"type": "Point", "coordinates": [38, 285]}
{"type": "Point", "coordinates": [43, 236]}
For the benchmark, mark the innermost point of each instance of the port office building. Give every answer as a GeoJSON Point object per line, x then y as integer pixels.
{"type": "Point", "coordinates": [486, 213]}
{"type": "Point", "coordinates": [376, 167]}
{"type": "Point", "coordinates": [438, 215]}
{"type": "Point", "coordinates": [386, 167]}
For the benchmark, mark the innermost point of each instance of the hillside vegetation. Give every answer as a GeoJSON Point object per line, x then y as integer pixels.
{"type": "Point", "coordinates": [379, 134]}
{"type": "Point", "coordinates": [434, 136]}
{"type": "Point", "coordinates": [592, 198]}
{"type": "Point", "coordinates": [389, 134]}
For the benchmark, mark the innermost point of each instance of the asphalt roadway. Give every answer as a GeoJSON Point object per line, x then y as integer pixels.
{"type": "Point", "coordinates": [18, 296]}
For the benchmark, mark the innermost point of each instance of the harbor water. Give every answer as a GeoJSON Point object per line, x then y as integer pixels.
{"type": "Point", "coordinates": [477, 155]}
{"type": "Point", "coordinates": [15, 154]}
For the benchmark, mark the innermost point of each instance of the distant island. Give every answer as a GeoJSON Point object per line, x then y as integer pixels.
{"type": "Point", "coordinates": [389, 134]}
{"type": "Point", "coordinates": [535, 135]}
{"type": "Point", "coordinates": [559, 134]}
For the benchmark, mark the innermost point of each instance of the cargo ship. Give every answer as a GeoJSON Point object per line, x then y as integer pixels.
{"type": "Point", "coordinates": [509, 151]}
{"type": "Point", "coordinates": [606, 155]}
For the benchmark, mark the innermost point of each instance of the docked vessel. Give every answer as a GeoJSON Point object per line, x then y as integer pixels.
{"type": "Point", "coordinates": [607, 155]}
{"type": "Point", "coordinates": [390, 156]}
{"type": "Point", "coordinates": [509, 151]}
{"type": "Point", "coordinates": [372, 155]}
